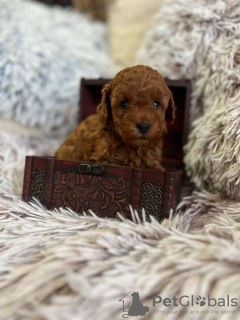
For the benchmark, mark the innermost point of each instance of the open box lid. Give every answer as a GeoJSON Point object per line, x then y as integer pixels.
{"type": "Point", "coordinates": [172, 158]}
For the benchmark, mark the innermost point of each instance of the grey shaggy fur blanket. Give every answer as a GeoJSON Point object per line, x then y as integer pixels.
{"type": "Point", "coordinates": [200, 40]}
{"type": "Point", "coordinates": [61, 265]}
{"type": "Point", "coordinates": [44, 52]}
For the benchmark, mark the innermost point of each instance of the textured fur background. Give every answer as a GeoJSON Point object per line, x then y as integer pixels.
{"type": "Point", "coordinates": [43, 54]}
{"type": "Point", "coordinates": [200, 40]}
{"type": "Point", "coordinates": [59, 265]}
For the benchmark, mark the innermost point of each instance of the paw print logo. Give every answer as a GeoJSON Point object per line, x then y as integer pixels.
{"type": "Point", "coordinates": [201, 301]}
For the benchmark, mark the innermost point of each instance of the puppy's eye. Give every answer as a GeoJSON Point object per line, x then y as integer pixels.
{"type": "Point", "coordinates": [124, 104]}
{"type": "Point", "coordinates": [156, 104]}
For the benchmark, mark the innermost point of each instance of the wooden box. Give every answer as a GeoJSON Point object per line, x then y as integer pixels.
{"type": "Point", "coordinates": [108, 189]}
{"type": "Point", "coordinates": [105, 189]}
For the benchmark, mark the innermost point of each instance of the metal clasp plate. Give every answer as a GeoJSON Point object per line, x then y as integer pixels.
{"type": "Point", "coordinates": [90, 168]}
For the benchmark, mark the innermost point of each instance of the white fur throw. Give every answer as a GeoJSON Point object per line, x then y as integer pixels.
{"type": "Point", "coordinates": [59, 265]}
{"type": "Point", "coordinates": [200, 40]}
{"type": "Point", "coordinates": [44, 52]}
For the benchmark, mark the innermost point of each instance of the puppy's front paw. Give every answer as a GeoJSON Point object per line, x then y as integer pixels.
{"type": "Point", "coordinates": [157, 166]}
{"type": "Point", "coordinates": [65, 153]}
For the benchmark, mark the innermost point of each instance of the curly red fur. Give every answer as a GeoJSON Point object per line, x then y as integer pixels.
{"type": "Point", "coordinates": [111, 136]}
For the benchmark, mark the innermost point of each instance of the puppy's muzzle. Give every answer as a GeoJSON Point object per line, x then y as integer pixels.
{"type": "Point", "coordinates": [143, 127]}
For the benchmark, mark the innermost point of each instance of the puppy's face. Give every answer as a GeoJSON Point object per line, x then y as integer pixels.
{"type": "Point", "coordinates": [138, 112]}
{"type": "Point", "coordinates": [138, 105]}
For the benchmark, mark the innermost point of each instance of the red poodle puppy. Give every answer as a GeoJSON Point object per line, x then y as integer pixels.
{"type": "Point", "coordinates": [130, 123]}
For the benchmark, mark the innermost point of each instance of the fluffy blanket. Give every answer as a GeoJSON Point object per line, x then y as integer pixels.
{"type": "Point", "coordinates": [200, 40]}
{"type": "Point", "coordinates": [60, 265]}
{"type": "Point", "coordinates": [44, 52]}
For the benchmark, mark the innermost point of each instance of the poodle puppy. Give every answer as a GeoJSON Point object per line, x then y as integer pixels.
{"type": "Point", "coordinates": [130, 123]}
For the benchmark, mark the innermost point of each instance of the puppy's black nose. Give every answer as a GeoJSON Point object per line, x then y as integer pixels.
{"type": "Point", "coordinates": [143, 127]}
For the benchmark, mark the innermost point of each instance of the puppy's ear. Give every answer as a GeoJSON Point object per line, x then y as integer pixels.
{"type": "Point", "coordinates": [104, 109]}
{"type": "Point", "coordinates": [170, 112]}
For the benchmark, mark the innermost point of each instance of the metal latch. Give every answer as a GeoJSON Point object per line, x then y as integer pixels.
{"type": "Point", "coordinates": [90, 169]}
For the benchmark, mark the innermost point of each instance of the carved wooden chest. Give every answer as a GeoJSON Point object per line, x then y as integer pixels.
{"type": "Point", "coordinates": [105, 189]}
{"type": "Point", "coordinates": [108, 189]}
